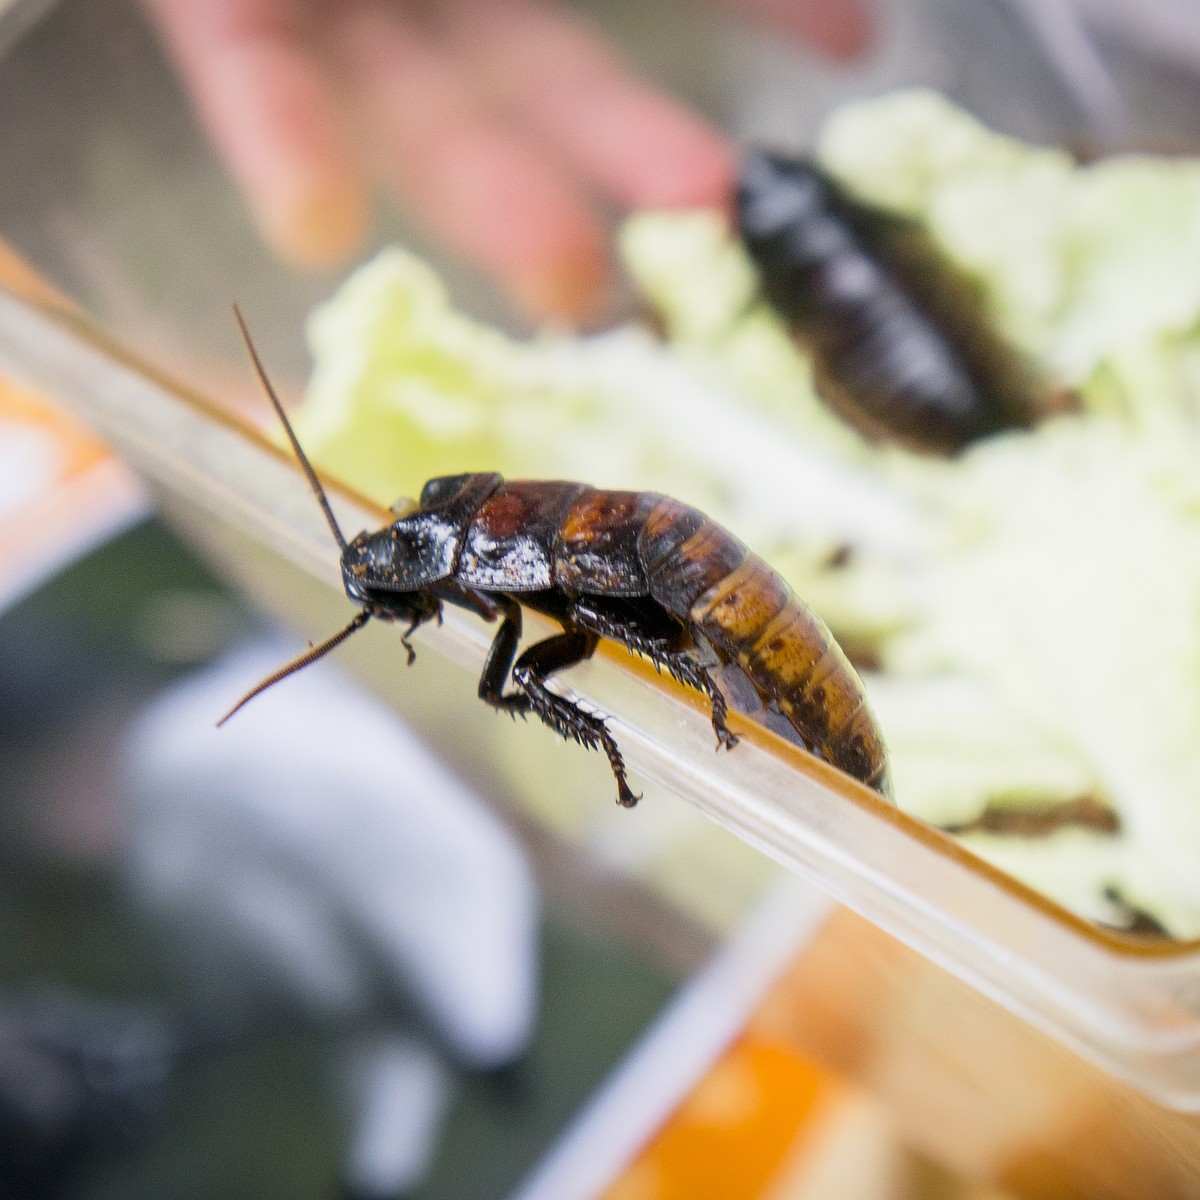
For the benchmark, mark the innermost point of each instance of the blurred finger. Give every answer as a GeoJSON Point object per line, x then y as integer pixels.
{"type": "Point", "coordinates": [842, 29]}
{"type": "Point", "coordinates": [484, 189]}
{"type": "Point", "coordinates": [271, 108]}
{"type": "Point", "coordinates": [558, 77]}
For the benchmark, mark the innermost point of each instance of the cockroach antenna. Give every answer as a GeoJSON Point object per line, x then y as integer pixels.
{"type": "Point", "coordinates": [313, 652]}
{"type": "Point", "coordinates": [313, 482]}
{"type": "Point", "coordinates": [309, 656]}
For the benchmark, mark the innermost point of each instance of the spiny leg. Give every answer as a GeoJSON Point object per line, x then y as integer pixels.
{"type": "Point", "coordinates": [684, 666]}
{"type": "Point", "coordinates": [687, 670]}
{"type": "Point", "coordinates": [657, 640]}
{"type": "Point", "coordinates": [670, 651]}
{"type": "Point", "coordinates": [563, 716]}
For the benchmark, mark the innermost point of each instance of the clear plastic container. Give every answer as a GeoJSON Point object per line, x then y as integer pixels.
{"type": "Point", "coordinates": [1011, 1039]}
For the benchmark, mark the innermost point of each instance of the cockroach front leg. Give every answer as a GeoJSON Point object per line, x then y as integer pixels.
{"type": "Point", "coordinates": [499, 662]}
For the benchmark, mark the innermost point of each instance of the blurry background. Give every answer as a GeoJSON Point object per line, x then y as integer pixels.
{"type": "Point", "coordinates": [255, 1104]}
{"type": "Point", "coordinates": [113, 166]}
{"type": "Point", "coordinates": [251, 1050]}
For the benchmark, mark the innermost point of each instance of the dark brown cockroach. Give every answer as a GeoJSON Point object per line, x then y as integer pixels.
{"type": "Point", "coordinates": [902, 343]}
{"type": "Point", "coordinates": [635, 567]}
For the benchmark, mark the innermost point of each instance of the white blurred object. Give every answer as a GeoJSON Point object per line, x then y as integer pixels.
{"type": "Point", "coordinates": [28, 457]}
{"type": "Point", "coordinates": [313, 854]}
{"type": "Point", "coordinates": [317, 846]}
{"type": "Point", "coordinates": [401, 1091]}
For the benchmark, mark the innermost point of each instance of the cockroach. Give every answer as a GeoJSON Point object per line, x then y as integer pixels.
{"type": "Point", "coordinates": [635, 567]}
{"type": "Point", "coordinates": [903, 346]}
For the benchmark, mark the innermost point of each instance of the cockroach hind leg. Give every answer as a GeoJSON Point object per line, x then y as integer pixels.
{"type": "Point", "coordinates": [726, 738]}
{"type": "Point", "coordinates": [692, 674]}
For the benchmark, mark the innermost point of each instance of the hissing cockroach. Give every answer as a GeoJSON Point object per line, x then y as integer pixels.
{"type": "Point", "coordinates": [635, 567]}
{"type": "Point", "coordinates": [902, 343]}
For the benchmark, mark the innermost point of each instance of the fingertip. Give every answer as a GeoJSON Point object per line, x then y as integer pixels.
{"type": "Point", "coordinates": [849, 38]}
{"type": "Point", "coordinates": [573, 290]}
{"type": "Point", "coordinates": [692, 168]}
{"type": "Point", "coordinates": [841, 30]}
{"type": "Point", "coordinates": [274, 112]}
{"type": "Point", "coordinates": [313, 222]}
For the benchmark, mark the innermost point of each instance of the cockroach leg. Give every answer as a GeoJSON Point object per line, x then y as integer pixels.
{"type": "Point", "coordinates": [499, 661]}
{"type": "Point", "coordinates": [564, 716]}
{"type": "Point", "coordinates": [672, 652]}
{"type": "Point", "coordinates": [631, 628]}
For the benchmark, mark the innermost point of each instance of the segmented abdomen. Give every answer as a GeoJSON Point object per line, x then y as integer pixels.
{"type": "Point", "coordinates": [707, 578]}
{"type": "Point", "coordinates": [903, 343]}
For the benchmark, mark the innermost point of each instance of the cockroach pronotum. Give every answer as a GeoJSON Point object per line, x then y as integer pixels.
{"type": "Point", "coordinates": [903, 346]}
{"type": "Point", "coordinates": [635, 567]}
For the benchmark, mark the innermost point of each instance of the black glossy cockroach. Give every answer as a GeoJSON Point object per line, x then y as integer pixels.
{"type": "Point", "coordinates": [635, 567]}
{"type": "Point", "coordinates": [903, 346]}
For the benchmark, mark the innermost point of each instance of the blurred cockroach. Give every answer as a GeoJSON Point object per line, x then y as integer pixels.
{"type": "Point", "coordinates": [635, 567]}
{"type": "Point", "coordinates": [903, 346]}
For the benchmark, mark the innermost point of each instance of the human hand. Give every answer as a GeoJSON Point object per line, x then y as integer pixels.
{"type": "Point", "coordinates": [504, 126]}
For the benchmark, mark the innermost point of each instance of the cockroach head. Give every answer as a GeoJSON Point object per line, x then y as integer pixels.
{"type": "Point", "coordinates": [371, 578]}
{"type": "Point", "coordinates": [774, 191]}
{"type": "Point", "coordinates": [365, 564]}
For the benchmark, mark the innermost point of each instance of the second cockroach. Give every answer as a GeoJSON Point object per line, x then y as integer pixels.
{"type": "Point", "coordinates": [635, 567]}
{"type": "Point", "coordinates": [902, 343]}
